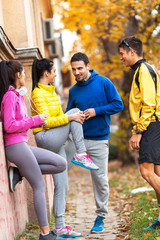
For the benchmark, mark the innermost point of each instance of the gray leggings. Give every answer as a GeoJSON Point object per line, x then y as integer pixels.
{"type": "Point", "coordinates": [32, 162]}
{"type": "Point", "coordinates": [54, 139]}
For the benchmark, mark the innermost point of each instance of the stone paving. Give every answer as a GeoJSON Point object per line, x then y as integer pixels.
{"type": "Point", "coordinates": [80, 207]}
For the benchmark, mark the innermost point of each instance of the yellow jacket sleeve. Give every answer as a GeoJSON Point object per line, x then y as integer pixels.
{"type": "Point", "coordinates": [46, 104]}
{"type": "Point", "coordinates": [148, 100]}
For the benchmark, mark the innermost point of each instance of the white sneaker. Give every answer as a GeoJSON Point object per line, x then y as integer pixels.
{"type": "Point", "coordinates": [84, 160]}
{"type": "Point", "coordinates": [66, 232]}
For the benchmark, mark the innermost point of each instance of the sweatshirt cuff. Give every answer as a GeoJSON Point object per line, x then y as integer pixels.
{"type": "Point", "coordinates": [36, 121]}
{"type": "Point", "coordinates": [134, 129]}
{"type": "Point", "coordinates": [97, 111]}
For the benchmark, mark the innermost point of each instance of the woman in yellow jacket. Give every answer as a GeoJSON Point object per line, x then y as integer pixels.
{"type": "Point", "coordinates": [56, 132]}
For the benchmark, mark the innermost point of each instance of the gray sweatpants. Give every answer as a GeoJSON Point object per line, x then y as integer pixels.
{"type": "Point", "coordinates": [98, 150]}
{"type": "Point", "coordinates": [54, 140]}
{"type": "Point", "coordinates": [32, 162]}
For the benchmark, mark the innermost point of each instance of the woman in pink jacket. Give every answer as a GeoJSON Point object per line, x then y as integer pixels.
{"type": "Point", "coordinates": [32, 162]}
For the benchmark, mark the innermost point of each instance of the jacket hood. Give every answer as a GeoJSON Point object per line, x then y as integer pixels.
{"type": "Point", "coordinates": [89, 80]}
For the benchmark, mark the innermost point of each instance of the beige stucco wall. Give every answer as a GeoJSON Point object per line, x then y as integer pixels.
{"type": "Point", "coordinates": [46, 12]}
{"type": "Point", "coordinates": [22, 30]}
{"type": "Point", "coordinates": [22, 22]}
{"type": "Point", "coordinates": [46, 8]}
{"type": "Point", "coordinates": [1, 15]}
{"type": "Point", "coordinates": [14, 22]}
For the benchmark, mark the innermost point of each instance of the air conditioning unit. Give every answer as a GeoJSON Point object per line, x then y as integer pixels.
{"type": "Point", "coordinates": [53, 50]}
{"type": "Point", "coordinates": [48, 30]}
{"type": "Point", "coordinates": [56, 48]}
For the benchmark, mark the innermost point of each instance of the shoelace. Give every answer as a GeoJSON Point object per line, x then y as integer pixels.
{"type": "Point", "coordinates": [98, 221]}
{"type": "Point", "coordinates": [88, 158]}
{"type": "Point", "coordinates": [68, 229]}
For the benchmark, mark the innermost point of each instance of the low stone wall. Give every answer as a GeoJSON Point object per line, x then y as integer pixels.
{"type": "Point", "coordinates": [17, 208]}
{"type": "Point", "coordinates": [13, 207]}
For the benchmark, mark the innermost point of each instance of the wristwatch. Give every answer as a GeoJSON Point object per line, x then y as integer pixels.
{"type": "Point", "coordinates": [137, 131]}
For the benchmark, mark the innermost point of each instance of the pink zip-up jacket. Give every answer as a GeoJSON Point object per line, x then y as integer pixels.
{"type": "Point", "coordinates": [15, 119]}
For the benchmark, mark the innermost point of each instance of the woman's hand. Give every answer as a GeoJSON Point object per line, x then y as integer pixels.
{"type": "Point", "coordinates": [43, 119]}
{"type": "Point", "coordinates": [78, 117]}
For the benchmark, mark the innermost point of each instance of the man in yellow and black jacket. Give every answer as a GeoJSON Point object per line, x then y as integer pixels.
{"type": "Point", "coordinates": [144, 106]}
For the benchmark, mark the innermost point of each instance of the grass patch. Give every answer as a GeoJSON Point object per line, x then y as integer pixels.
{"type": "Point", "coordinates": [144, 213]}
{"type": "Point", "coordinates": [137, 210]}
{"type": "Point", "coordinates": [114, 182]}
{"type": "Point", "coordinates": [120, 185]}
{"type": "Point", "coordinates": [33, 230]}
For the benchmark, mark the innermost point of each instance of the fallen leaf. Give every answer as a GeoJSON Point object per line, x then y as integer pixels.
{"type": "Point", "coordinates": [146, 234]}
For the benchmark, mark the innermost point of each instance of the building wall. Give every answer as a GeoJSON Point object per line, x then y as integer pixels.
{"type": "Point", "coordinates": [21, 38]}
{"type": "Point", "coordinates": [13, 207]}
{"type": "Point", "coordinates": [24, 26]}
{"type": "Point", "coordinates": [14, 22]}
{"type": "Point", "coordinates": [1, 14]}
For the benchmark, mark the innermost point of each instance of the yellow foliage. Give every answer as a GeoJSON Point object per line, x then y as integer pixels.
{"type": "Point", "coordinates": [100, 24]}
{"type": "Point", "coordinates": [100, 20]}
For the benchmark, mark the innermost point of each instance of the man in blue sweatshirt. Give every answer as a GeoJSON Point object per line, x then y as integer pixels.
{"type": "Point", "coordinates": [97, 97]}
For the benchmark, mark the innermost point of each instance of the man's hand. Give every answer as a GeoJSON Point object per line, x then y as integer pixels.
{"type": "Point", "coordinates": [134, 141]}
{"type": "Point", "coordinates": [89, 113]}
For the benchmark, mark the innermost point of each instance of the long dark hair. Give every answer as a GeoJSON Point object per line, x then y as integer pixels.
{"type": "Point", "coordinates": [38, 69]}
{"type": "Point", "coordinates": [8, 71]}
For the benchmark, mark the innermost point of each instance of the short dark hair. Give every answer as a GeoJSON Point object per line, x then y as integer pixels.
{"type": "Point", "coordinates": [132, 43]}
{"type": "Point", "coordinates": [80, 57]}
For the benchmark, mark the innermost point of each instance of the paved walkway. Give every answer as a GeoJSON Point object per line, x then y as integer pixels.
{"type": "Point", "coordinates": [80, 209]}
{"type": "Point", "coordinates": [80, 212]}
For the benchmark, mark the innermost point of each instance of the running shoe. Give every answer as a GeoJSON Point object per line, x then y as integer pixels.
{"type": "Point", "coordinates": [155, 224]}
{"type": "Point", "coordinates": [50, 236]}
{"type": "Point", "coordinates": [98, 225]}
{"type": "Point", "coordinates": [66, 232]}
{"type": "Point", "coordinates": [14, 177]}
{"type": "Point", "coordinates": [84, 160]}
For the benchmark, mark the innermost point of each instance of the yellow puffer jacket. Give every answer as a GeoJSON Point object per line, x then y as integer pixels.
{"type": "Point", "coordinates": [144, 102]}
{"type": "Point", "coordinates": [45, 101]}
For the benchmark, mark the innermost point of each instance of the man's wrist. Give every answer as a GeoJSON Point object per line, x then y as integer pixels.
{"type": "Point", "coordinates": [137, 131]}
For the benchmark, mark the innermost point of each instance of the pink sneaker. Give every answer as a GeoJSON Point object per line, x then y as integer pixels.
{"type": "Point", "coordinates": [66, 232]}
{"type": "Point", "coordinates": [84, 160]}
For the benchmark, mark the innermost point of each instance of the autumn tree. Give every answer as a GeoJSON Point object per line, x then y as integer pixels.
{"type": "Point", "coordinates": [100, 24]}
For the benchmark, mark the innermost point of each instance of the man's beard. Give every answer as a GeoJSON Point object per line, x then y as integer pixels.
{"type": "Point", "coordinates": [84, 78]}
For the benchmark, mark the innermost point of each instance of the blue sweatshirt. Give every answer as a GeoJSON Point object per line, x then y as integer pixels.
{"type": "Point", "coordinates": [99, 93]}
